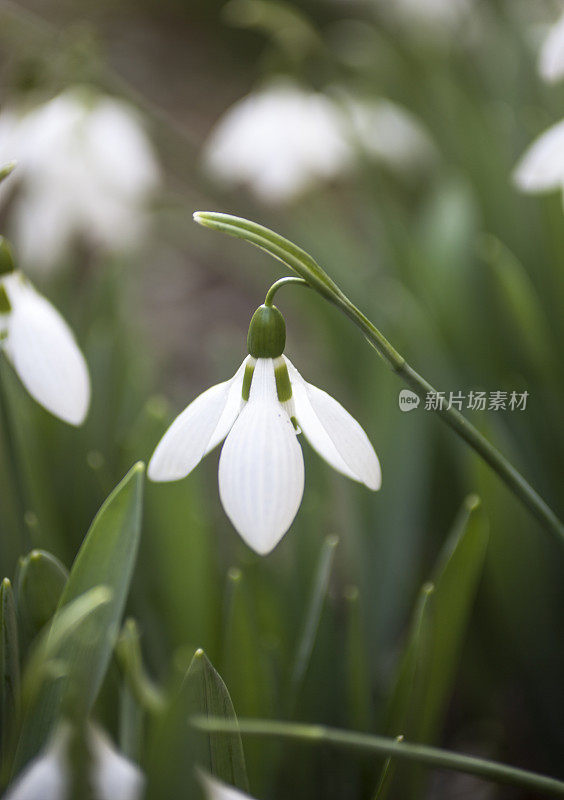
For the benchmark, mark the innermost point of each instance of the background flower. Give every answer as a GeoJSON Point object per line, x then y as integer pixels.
{"type": "Point", "coordinates": [87, 170]}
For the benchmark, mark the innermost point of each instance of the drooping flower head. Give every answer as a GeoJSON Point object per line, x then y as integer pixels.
{"type": "Point", "coordinates": [40, 345]}
{"type": "Point", "coordinates": [260, 412]}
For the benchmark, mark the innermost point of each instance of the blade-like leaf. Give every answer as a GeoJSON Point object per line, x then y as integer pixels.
{"type": "Point", "coordinates": [9, 661]}
{"type": "Point", "coordinates": [41, 581]}
{"type": "Point", "coordinates": [46, 669]}
{"type": "Point", "coordinates": [313, 615]}
{"type": "Point", "coordinates": [359, 693]}
{"type": "Point", "coordinates": [431, 658]}
{"type": "Point", "coordinates": [106, 558]}
{"type": "Point", "coordinates": [219, 754]}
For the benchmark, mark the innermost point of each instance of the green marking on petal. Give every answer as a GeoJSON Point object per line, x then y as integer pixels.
{"type": "Point", "coordinates": [283, 385]}
{"type": "Point", "coordinates": [6, 257]}
{"type": "Point", "coordinates": [247, 378]}
{"type": "Point", "coordinates": [5, 305]}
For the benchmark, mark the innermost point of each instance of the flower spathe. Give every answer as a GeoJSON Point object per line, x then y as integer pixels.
{"type": "Point", "coordinates": [42, 348]}
{"type": "Point", "coordinates": [48, 777]}
{"type": "Point", "coordinates": [260, 412]}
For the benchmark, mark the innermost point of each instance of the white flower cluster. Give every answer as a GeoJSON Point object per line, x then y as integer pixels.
{"type": "Point", "coordinates": [283, 139]}
{"type": "Point", "coordinates": [86, 171]}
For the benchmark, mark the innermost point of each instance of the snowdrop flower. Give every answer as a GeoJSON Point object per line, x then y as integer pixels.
{"type": "Point", "coordinates": [86, 170]}
{"type": "Point", "coordinates": [440, 15]}
{"type": "Point", "coordinates": [387, 132]}
{"type": "Point", "coordinates": [261, 410]}
{"type": "Point", "coordinates": [48, 776]}
{"type": "Point", "coordinates": [278, 141]}
{"type": "Point", "coordinates": [216, 790]}
{"type": "Point", "coordinates": [551, 59]}
{"type": "Point", "coordinates": [281, 140]}
{"type": "Point", "coordinates": [41, 346]}
{"type": "Point", "coordinates": [541, 168]}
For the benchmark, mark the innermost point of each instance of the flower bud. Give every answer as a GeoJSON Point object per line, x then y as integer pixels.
{"type": "Point", "coordinates": [267, 333]}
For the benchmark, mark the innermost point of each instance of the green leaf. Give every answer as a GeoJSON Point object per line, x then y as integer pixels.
{"type": "Point", "coordinates": [428, 668]}
{"type": "Point", "coordinates": [40, 584]}
{"type": "Point", "coordinates": [245, 666]}
{"type": "Point", "coordinates": [359, 694]}
{"type": "Point", "coordinates": [128, 652]}
{"type": "Point", "coordinates": [520, 302]}
{"type": "Point", "coordinates": [414, 657]}
{"type": "Point", "coordinates": [456, 579]}
{"type": "Point", "coordinates": [106, 558]}
{"type": "Point", "coordinates": [9, 661]}
{"type": "Point", "coordinates": [312, 617]}
{"type": "Point", "coordinates": [178, 749]}
{"type": "Point", "coordinates": [220, 754]}
{"type": "Point", "coordinates": [46, 669]}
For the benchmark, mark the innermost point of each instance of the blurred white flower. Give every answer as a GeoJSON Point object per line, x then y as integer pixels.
{"type": "Point", "coordinates": [281, 140]}
{"type": "Point", "coordinates": [86, 170]}
{"type": "Point", "coordinates": [278, 141]}
{"type": "Point", "coordinates": [551, 58]}
{"type": "Point", "coordinates": [216, 790]}
{"type": "Point", "coordinates": [388, 133]}
{"type": "Point", "coordinates": [437, 15]}
{"type": "Point", "coordinates": [41, 346]}
{"type": "Point", "coordinates": [541, 168]}
{"type": "Point", "coordinates": [48, 776]}
{"type": "Point", "coordinates": [261, 410]}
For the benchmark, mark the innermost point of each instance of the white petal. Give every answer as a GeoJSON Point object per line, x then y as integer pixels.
{"type": "Point", "coordinates": [216, 790]}
{"type": "Point", "coordinates": [114, 775]}
{"type": "Point", "coordinates": [44, 778]}
{"type": "Point", "coordinates": [45, 354]}
{"type": "Point", "coordinates": [551, 60]}
{"type": "Point", "coordinates": [333, 432]}
{"type": "Point", "coordinates": [261, 469]}
{"type": "Point", "coordinates": [542, 167]}
{"type": "Point", "coordinates": [194, 432]}
{"type": "Point", "coordinates": [232, 408]}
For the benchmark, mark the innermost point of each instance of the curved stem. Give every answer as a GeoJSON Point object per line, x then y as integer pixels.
{"type": "Point", "coordinates": [381, 745]}
{"type": "Point", "coordinates": [308, 269]}
{"type": "Point", "coordinates": [269, 299]}
{"type": "Point", "coordinates": [458, 423]}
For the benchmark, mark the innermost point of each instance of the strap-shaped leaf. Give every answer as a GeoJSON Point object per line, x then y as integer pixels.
{"type": "Point", "coordinates": [431, 658]}
{"type": "Point", "coordinates": [219, 754]}
{"type": "Point", "coordinates": [106, 558]}
{"type": "Point", "coordinates": [9, 661]}
{"type": "Point", "coordinates": [41, 581]}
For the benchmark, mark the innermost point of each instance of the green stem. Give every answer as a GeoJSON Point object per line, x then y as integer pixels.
{"type": "Point", "coordinates": [458, 423]}
{"type": "Point", "coordinates": [420, 753]}
{"type": "Point", "coordinates": [13, 461]}
{"type": "Point", "coordinates": [269, 299]}
{"type": "Point", "coordinates": [308, 269]}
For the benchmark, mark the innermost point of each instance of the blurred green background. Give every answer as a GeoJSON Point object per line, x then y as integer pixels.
{"type": "Point", "coordinates": [462, 273]}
